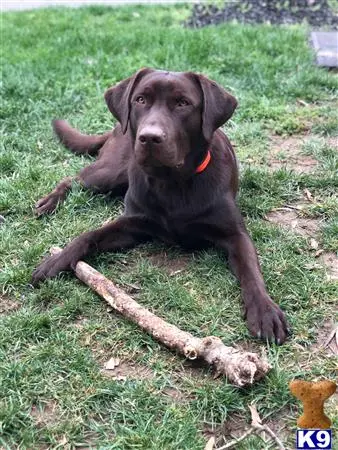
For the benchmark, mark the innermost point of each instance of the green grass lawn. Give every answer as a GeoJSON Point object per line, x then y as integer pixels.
{"type": "Point", "coordinates": [55, 340]}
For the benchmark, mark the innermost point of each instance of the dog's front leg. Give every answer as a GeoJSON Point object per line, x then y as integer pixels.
{"type": "Point", "coordinates": [264, 318]}
{"type": "Point", "coordinates": [225, 229]}
{"type": "Point", "coordinates": [124, 232]}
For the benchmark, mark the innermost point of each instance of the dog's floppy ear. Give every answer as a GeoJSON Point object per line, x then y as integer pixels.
{"type": "Point", "coordinates": [118, 97]}
{"type": "Point", "coordinates": [218, 105]}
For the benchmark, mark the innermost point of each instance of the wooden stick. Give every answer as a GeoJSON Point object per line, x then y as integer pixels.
{"type": "Point", "coordinates": [241, 368]}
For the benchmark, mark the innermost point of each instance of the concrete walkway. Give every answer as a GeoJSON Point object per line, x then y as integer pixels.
{"type": "Point", "coordinates": [17, 5]}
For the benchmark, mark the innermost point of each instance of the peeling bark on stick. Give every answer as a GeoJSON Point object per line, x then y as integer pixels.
{"type": "Point", "coordinates": [241, 368]}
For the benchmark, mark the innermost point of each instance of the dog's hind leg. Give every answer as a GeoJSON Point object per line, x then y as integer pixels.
{"type": "Point", "coordinates": [99, 177]}
{"type": "Point", "coordinates": [108, 173]}
{"type": "Point", "coordinates": [49, 203]}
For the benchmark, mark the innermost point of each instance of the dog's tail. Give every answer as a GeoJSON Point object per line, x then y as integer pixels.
{"type": "Point", "coordinates": [77, 142]}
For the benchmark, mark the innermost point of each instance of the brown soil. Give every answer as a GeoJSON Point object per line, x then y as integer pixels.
{"type": "Point", "coordinates": [327, 340]}
{"type": "Point", "coordinates": [250, 346]}
{"type": "Point", "coordinates": [80, 322]}
{"type": "Point", "coordinates": [175, 395]}
{"type": "Point", "coordinates": [197, 370]}
{"type": "Point", "coordinates": [7, 305]}
{"type": "Point", "coordinates": [236, 425]}
{"type": "Point", "coordinates": [128, 370]}
{"type": "Point", "coordinates": [286, 153]}
{"type": "Point", "coordinates": [172, 266]}
{"type": "Point", "coordinates": [294, 220]}
{"type": "Point", "coordinates": [330, 261]}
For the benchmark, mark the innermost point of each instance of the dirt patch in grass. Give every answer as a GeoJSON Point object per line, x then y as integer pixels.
{"type": "Point", "coordinates": [250, 346]}
{"type": "Point", "coordinates": [236, 425]}
{"type": "Point", "coordinates": [176, 395]}
{"type": "Point", "coordinates": [187, 373]}
{"type": "Point", "coordinates": [281, 424]}
{"type": "Point", "coordinates": [128, 370]}
{"type": "Point", "coordinates": [80, 322]}
{"type": "Point", "coordinates": [332, 142]}
{"type": "Point", "coordinates": [294, 219]}
{"type": "Point", "coordinates": [197, 369]}
{"type": "Point", "coordinates": [330, 261]}
{"type": "Point", "coordinates": [327, 339]}
{"type": "Point", "coordinates": [286, 153]}
{"type": "Point", "coordinates": [172, 266]}
{"type": "Point", "coordinates": [7, 305]}
{"type": "Point", "coordinates": [46, 414]}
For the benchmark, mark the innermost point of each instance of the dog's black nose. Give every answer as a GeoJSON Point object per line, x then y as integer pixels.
{"type": "Point", "coordinates": [152, 135]}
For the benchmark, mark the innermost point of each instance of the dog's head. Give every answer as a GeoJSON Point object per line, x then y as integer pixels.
{"type": "Point", "coordinates": [172, 115]}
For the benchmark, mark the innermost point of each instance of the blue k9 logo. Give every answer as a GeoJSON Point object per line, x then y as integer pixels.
{"type": "Point", "coordinates": [314, 439]}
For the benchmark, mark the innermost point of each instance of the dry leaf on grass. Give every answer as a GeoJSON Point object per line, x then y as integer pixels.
{"type": "Point", "coordinates": [332, 340]}
{"type": "Point", "coordinates": [255, 419]}
{"type": "Point", "coordinates": [313, 244]}
{"type": "Point", "coordinates": [120, 378]}
{"type": "Point", "coordinates": [210, 444]}
{"type": "Point", "coordinates": [312, 266]}
{"type": "Point", "coordinates": [302, 102]}
{"type": "Point", "coordinates": [175, 272]}
{"type": "Point", "coordinates": [63, 441]}
{"type": "Point", "coordinates": [112, 363]}
{"type": "Point", "coordinates": [308, 195]}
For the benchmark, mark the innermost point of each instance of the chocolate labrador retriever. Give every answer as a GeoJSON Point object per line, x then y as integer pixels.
{"type": "Point", "coordinates": [179, 172]}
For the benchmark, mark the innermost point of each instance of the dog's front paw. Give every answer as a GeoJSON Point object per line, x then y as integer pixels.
{"type": "Point", "coordinates": [50, 267]}
{"type": "Point", "coordinates": [46, 205]}
{"type": "Point", "coordinates": [266, 320]}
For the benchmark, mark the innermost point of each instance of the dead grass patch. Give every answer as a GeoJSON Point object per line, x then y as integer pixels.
{"type": "Point", "coordinates": [46, 414]}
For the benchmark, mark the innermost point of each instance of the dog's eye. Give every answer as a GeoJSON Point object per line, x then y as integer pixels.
{"type": "Point", "coordinates": [140, 99]}
{"type": "Point", "coordinates": [182, 102]}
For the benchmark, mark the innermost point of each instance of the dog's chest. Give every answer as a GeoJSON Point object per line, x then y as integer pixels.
{"type": "Point", "coordinates": [174, 204]}
{"type": "Point", "coordinates": [175, 209]}
{"type": "Point", "coordinates": [172, 208]}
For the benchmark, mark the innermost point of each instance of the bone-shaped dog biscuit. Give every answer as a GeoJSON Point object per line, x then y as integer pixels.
{"type": "Point", "coordinates": [313, 395]}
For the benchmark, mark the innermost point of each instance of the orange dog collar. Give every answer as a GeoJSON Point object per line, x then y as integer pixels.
{"type": "Point", "coordinates": [204, 163]}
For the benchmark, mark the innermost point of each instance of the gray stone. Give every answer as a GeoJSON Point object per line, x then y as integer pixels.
{"type": "Point", "coordinates": [326, 48]}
